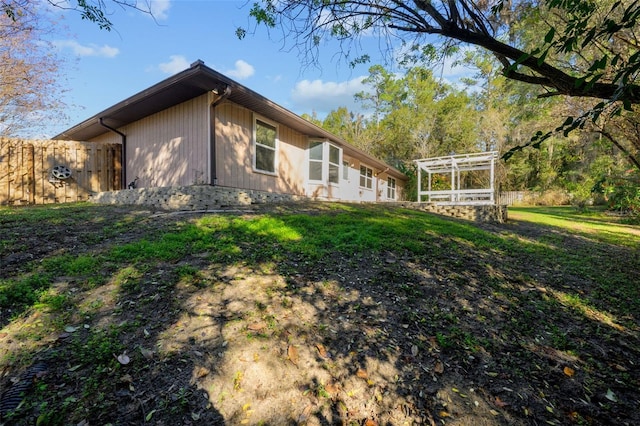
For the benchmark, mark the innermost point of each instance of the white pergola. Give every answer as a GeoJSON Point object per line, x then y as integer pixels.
{"type": "Point", "coordinates": [453, 166]}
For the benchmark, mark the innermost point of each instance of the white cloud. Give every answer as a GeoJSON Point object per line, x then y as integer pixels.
{"type": "Point", "coordinates": [241, 71]}
{"type": "Point", "coordinates": [78, 49]}
{"type": "Point", "coordinates": [160, 9]}
{"type": "Point", "coordinates": [325, 96]}
{"type": "Point", "coordinates": [176, 64]}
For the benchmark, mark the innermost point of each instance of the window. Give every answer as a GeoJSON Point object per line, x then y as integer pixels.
{"type": "Point", "coordinates": [315, 160]}
{"type": "Point", "coordinates": [324, 162]}
{"type": "Point", "coordinates": [366, 177]}
{"type": "Point", "coordinates": [266, 145]}
{"type": "Point", "coordinates": [345, 170]}
{"type": "Point", "coordinates": [334, 164]}
{"type": "Point", "coordinates": [391, 188]}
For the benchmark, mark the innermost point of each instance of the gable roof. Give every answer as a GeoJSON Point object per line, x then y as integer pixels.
{"type": "Point", "coordinates": [197, 80]}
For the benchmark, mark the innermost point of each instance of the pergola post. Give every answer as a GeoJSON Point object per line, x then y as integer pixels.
{"type": "Point", "coordinates": [453, 181]}
{"type": "Point", "coordinates": [492, 179]}
{"type": "Point", "coordinates": [419, 183]}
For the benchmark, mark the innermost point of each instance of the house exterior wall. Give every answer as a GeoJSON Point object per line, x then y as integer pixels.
{"type": "Point", "coordinates": [172, 149]}
{"type": "Point", "coordinates": [169, 148]}
{"type": "Point", "coordinates": [235, 153]}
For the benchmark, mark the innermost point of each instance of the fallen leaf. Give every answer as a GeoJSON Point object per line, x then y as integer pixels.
{"type": "Point", "coordinates": [304, 416]}
{"type": "Point", "coordinates": [500, 403]}
{"type": "Point", "coordinates": [293, 355]}
{"type": "Point", "coordinates": [148, 416]}
{"type": "Point", "coordinates": [257, 326]}
{"type": "Point", "coordinates": [569, 371]}
{"type": "Point", "coordinates": [370, 422]}
{"type": "Point", "coordinates": [148, 354]}
{"type": "Point", "coordinates": [123, 359]}
{"type": "Point", "coordinates": [202, 372]}
{"type": "Point", "coordinates": [443, 414]}
{"type": "Point", "coordinates": [611, 396]}
{"type": "Point", "coordinates": [494, 412]}
{"type": "Point", "coordinates": [362, 373]}
{"type": "Point", "coordinates": [439, 367]}
{"type": "Point", "coordinates": [331, 388]}
{"type": "Point", "coordinates": [126, 378]}
{"type": "Point", "coordinates": [414, 350]}
{"type": "Point", "coordinates": [75, 367]}
{"type": "Point", "coordinates": [322, 351]}
{"type": "Point", "coordinates": [70, 329]}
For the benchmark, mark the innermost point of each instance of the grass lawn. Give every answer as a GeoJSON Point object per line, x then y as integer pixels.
{"type": "Point", "coordinates": [318, 313]}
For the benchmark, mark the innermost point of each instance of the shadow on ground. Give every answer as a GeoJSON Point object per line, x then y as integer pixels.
{"type": "Point", "coordinates": [322, 315]}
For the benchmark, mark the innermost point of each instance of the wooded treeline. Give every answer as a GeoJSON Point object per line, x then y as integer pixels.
{"type": "Point", "coordinates": [560, 76]}
{"type": "Point", "coordinates": [551, 137]}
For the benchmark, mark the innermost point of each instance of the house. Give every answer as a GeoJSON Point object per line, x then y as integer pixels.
{"type": "Point", "coordinates": [199, 127]}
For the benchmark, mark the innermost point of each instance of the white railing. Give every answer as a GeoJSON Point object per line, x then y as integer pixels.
{"type": "Point", "coordinates": [466, 196]}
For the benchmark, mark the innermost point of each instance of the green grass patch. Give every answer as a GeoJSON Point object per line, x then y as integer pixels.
{"type": "Point", "coordinates": [19, 293]}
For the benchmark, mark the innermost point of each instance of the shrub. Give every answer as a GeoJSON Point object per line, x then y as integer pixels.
{"type": "Point", "coordinates": [622, 193]}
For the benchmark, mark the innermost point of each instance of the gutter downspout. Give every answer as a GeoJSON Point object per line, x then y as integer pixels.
{"type": "Point", "coordinates": [124, 152]}
{"type": "Point", "coordinates": [212, 130]}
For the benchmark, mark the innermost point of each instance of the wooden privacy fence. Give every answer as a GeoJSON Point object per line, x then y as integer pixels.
{"type": "Point", "coordinates": [55, 171]}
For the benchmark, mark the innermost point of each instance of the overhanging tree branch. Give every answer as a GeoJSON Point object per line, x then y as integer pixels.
{"type": "Point", "coordinates": [474, 22]}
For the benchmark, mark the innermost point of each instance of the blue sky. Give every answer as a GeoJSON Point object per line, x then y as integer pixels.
{"type": "Point", "coordinates": [105, 67]}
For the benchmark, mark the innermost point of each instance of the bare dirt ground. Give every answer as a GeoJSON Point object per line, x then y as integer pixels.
{"type": "Point", "coordinates": [385, 338]}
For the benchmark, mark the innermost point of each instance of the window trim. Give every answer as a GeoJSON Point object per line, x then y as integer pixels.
{"type": "Point", "coordinates": [345, 169]}
{"type": "Point", "coordinates": [391, 187]}
{"type": "Point", "coordinates": [325, 161]}
{"type": "Point", "coordinates": [310, 160]}
{"type": "Point", "coordinates": [255, 144]}
{"type": "Point", "coordinates": [336, 165]}
{"type": "Point", "coordinates": [368, 178]}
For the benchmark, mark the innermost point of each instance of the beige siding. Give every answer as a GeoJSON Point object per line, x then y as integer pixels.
{"type": "Point", "coordinates": [169, 148]}
{"type": "Point", "coordinates": [234, 154]}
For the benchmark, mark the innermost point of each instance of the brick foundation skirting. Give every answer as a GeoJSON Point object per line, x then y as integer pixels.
{"type": "Point", "coordinates": [197, 197]}
{"type": "Point", "coordinates": [205, 197]}
{"type": "Point", "coordinates": [474, 213]}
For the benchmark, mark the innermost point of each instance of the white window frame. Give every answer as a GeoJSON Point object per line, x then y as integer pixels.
{"type": "Point", "coordinates": [255, 145]}
{"type": "Point", "coordinates": [391, 188]}
{"type": "Point", "coordinates": [310, 160]}
{"type": "Point", "coordinates": [367, 176]}
{"type": "Point", "coordinates": [337, 164]}
{"type": "Point", "coordinates": [325, 161]}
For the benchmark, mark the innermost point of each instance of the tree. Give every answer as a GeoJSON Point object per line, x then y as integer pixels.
{"type": "Point", "coordinates": [350, 126]}
{"type": "Point", "coordinates": [484, 24]}
{"type": "Point", "coordinates": [91, 10]}
{"type": "Point", "coordinates": [585, 49]}
{"type": "Point", "coordinates": [29, 85]}
{"type": "Point", "coordinates": [30, 78]}
{"type": "Point", "coordinates": [407, 117]}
